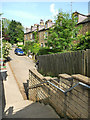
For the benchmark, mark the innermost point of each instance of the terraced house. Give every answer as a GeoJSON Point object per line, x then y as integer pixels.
{"type": "Point", "coordinates": [83, 20]}
{"type": "Point", "coordinates": [42, 29]}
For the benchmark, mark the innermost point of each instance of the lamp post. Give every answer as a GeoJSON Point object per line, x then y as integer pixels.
{"type": "Point", "coordinates": [2, 71]}
{"type": "Point", "coordinates": [1, 45]}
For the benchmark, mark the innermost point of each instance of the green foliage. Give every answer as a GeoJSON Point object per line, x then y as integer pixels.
{"type": "Point", "coordinates": [20, 46]}
{"type": "Point", "coordinates": [35, 36]}
{"type": "Point", "coordinates": [84, 42]}
{"type": "Point", "coordinates": [6, 48]}
{"type": "Point", "coordinates": [5, 25]}
{"type": "Point", "coordinates": [63, 32]}
{"type": "Point", "coordinates": [27, 47]}
{"type": "Point", "coordinates": [46, 50]}
{"type": "Point", "coordinates": [43, 51]}
{"type": "Point", "coordinates": [32, 47]}
{"type": "Point", "coordinates": [35, 48]}
{"type": "Point", "coordinates": [15, 32]}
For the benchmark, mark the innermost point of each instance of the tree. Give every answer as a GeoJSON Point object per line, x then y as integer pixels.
{"type": "Point", "coordinates": [15, 32]}
{"type": "Point", "coordinates": [20, 32]}
{"type": "Point", "coordinates": [63, 32]}
{"type": "Point", "coordinates": [5, 25]}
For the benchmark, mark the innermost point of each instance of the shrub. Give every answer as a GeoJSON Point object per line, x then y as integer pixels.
{"type": "Point", "coordinates": [20, 45]}
{"type": "Point", "coordinates": [32, 47]}
{"type": "Point", "coordinates": [6, 48]}
{"type": "Point", "coordinates": [35, 48]}
{"type": "Point", "coordinates": [45, 50]}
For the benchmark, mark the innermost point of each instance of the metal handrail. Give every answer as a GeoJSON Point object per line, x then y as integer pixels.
{"type": "Point", "coordinates": [37, 85]}
{"type": "Point", "coordinates": [65, 92]}
{"type": "Point", "coordinates": [56, 87]}
{"type": "Point", "coordinates": [79, 83]}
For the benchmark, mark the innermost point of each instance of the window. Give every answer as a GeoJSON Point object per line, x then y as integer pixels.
{"type": "Point", "coordinates": [41, 44]}
{"type": "Point", "coordinates": [46, 25]}
{"type": "Point", "coordinates": [45, 35]}
{"type": "Point", "coordinates": [76, 18]}
{"type": "Point", "coordinates": [31, 36]}
{"type": "Point", "coordinates": [26, 37]}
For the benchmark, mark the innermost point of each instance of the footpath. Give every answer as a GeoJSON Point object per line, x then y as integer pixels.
{"type": "Point", "coordinates": [0, 96]}
{"type": "Point", "coordinates": [17, 107]}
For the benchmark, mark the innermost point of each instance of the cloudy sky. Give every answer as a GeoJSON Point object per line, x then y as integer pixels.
{"type": "Point", "coordinates": [30, 13]}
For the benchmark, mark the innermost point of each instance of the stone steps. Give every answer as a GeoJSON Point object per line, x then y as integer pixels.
{"type": "Point", "coordinates": [29, 109]}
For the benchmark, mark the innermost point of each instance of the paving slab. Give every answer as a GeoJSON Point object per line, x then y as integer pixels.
{"type": "Point", "coordinates": [12, 93]}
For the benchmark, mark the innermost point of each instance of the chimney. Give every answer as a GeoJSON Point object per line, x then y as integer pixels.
{"type": "Point", "coordinates": [35, 25]}
{"type": "Point", "coordinates": [48, 23]}
{"type": "Point", "coordinates": [31, 28]}
{"type": "Point", "coordinates": [41, 22]}
{"type": "Point", "coordinates": [27, 30]}
{"type": "Point", "coordinates": [49, 20]}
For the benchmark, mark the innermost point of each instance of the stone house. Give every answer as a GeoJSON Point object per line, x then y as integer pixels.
{"type": "Point", "coordinates": [83, 20]}
{"type": "Point", "coordinates": [28, 36]}
{"type": "Point", "coordinates": [42, 31]}
{"type": "Point", "coordinates": [85, 25]}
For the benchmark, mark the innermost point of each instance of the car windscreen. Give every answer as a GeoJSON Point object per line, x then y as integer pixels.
{"type": "Point", "coordinates": [19, 50]}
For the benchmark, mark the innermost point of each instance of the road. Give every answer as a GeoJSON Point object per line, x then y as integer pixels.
{"type": "Point", "coordinates": [20, 66]}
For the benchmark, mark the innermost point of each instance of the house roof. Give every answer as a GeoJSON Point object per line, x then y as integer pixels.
{"type": "Point", "coordinates": [44, 29]}
{"type": "Point", "coordinates": [28, 32]}
{"type": "Point", "coordinates": [87, 20]}
{"type": "Point", "coordinates": [80, 14]}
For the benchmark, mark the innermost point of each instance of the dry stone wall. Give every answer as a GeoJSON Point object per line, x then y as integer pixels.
{"type": "Point", "coordinates": [73, 104]}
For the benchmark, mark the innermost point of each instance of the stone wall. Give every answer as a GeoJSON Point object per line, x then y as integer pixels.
{"type": "Point", "coordinates": [70, 63]}
{"type": "Point", "coordinates": [41, 36]}
{"type": "Point", "coordinates": [73, 104]}
{"type": "Point", "coordinates": [85, 28]}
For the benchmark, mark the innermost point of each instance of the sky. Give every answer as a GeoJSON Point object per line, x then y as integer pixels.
{"type": "Point", "coordinates": [30, 13]}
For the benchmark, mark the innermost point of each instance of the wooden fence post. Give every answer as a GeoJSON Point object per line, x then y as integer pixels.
{"type": "Point", "coordinates": [88, 62]}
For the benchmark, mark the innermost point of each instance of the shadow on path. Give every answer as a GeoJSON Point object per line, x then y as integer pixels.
{"type": "Point", "coordinates": [9, 111]}
{"type": "Point", "coordinates": [34, 110]}
{"type": "Point", "coordinates": [8, 59]}
{"type": "Point", "coordinates": [25, 88]}
{"type": "Point", "coordinates": [2, 95]}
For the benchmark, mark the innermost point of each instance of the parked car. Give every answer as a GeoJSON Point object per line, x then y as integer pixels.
{"type": "Point", "coordinates": [18, 51]}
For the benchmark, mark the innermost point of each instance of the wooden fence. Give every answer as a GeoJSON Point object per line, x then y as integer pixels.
{"type": "Point", "coordinates": [70, 63]}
